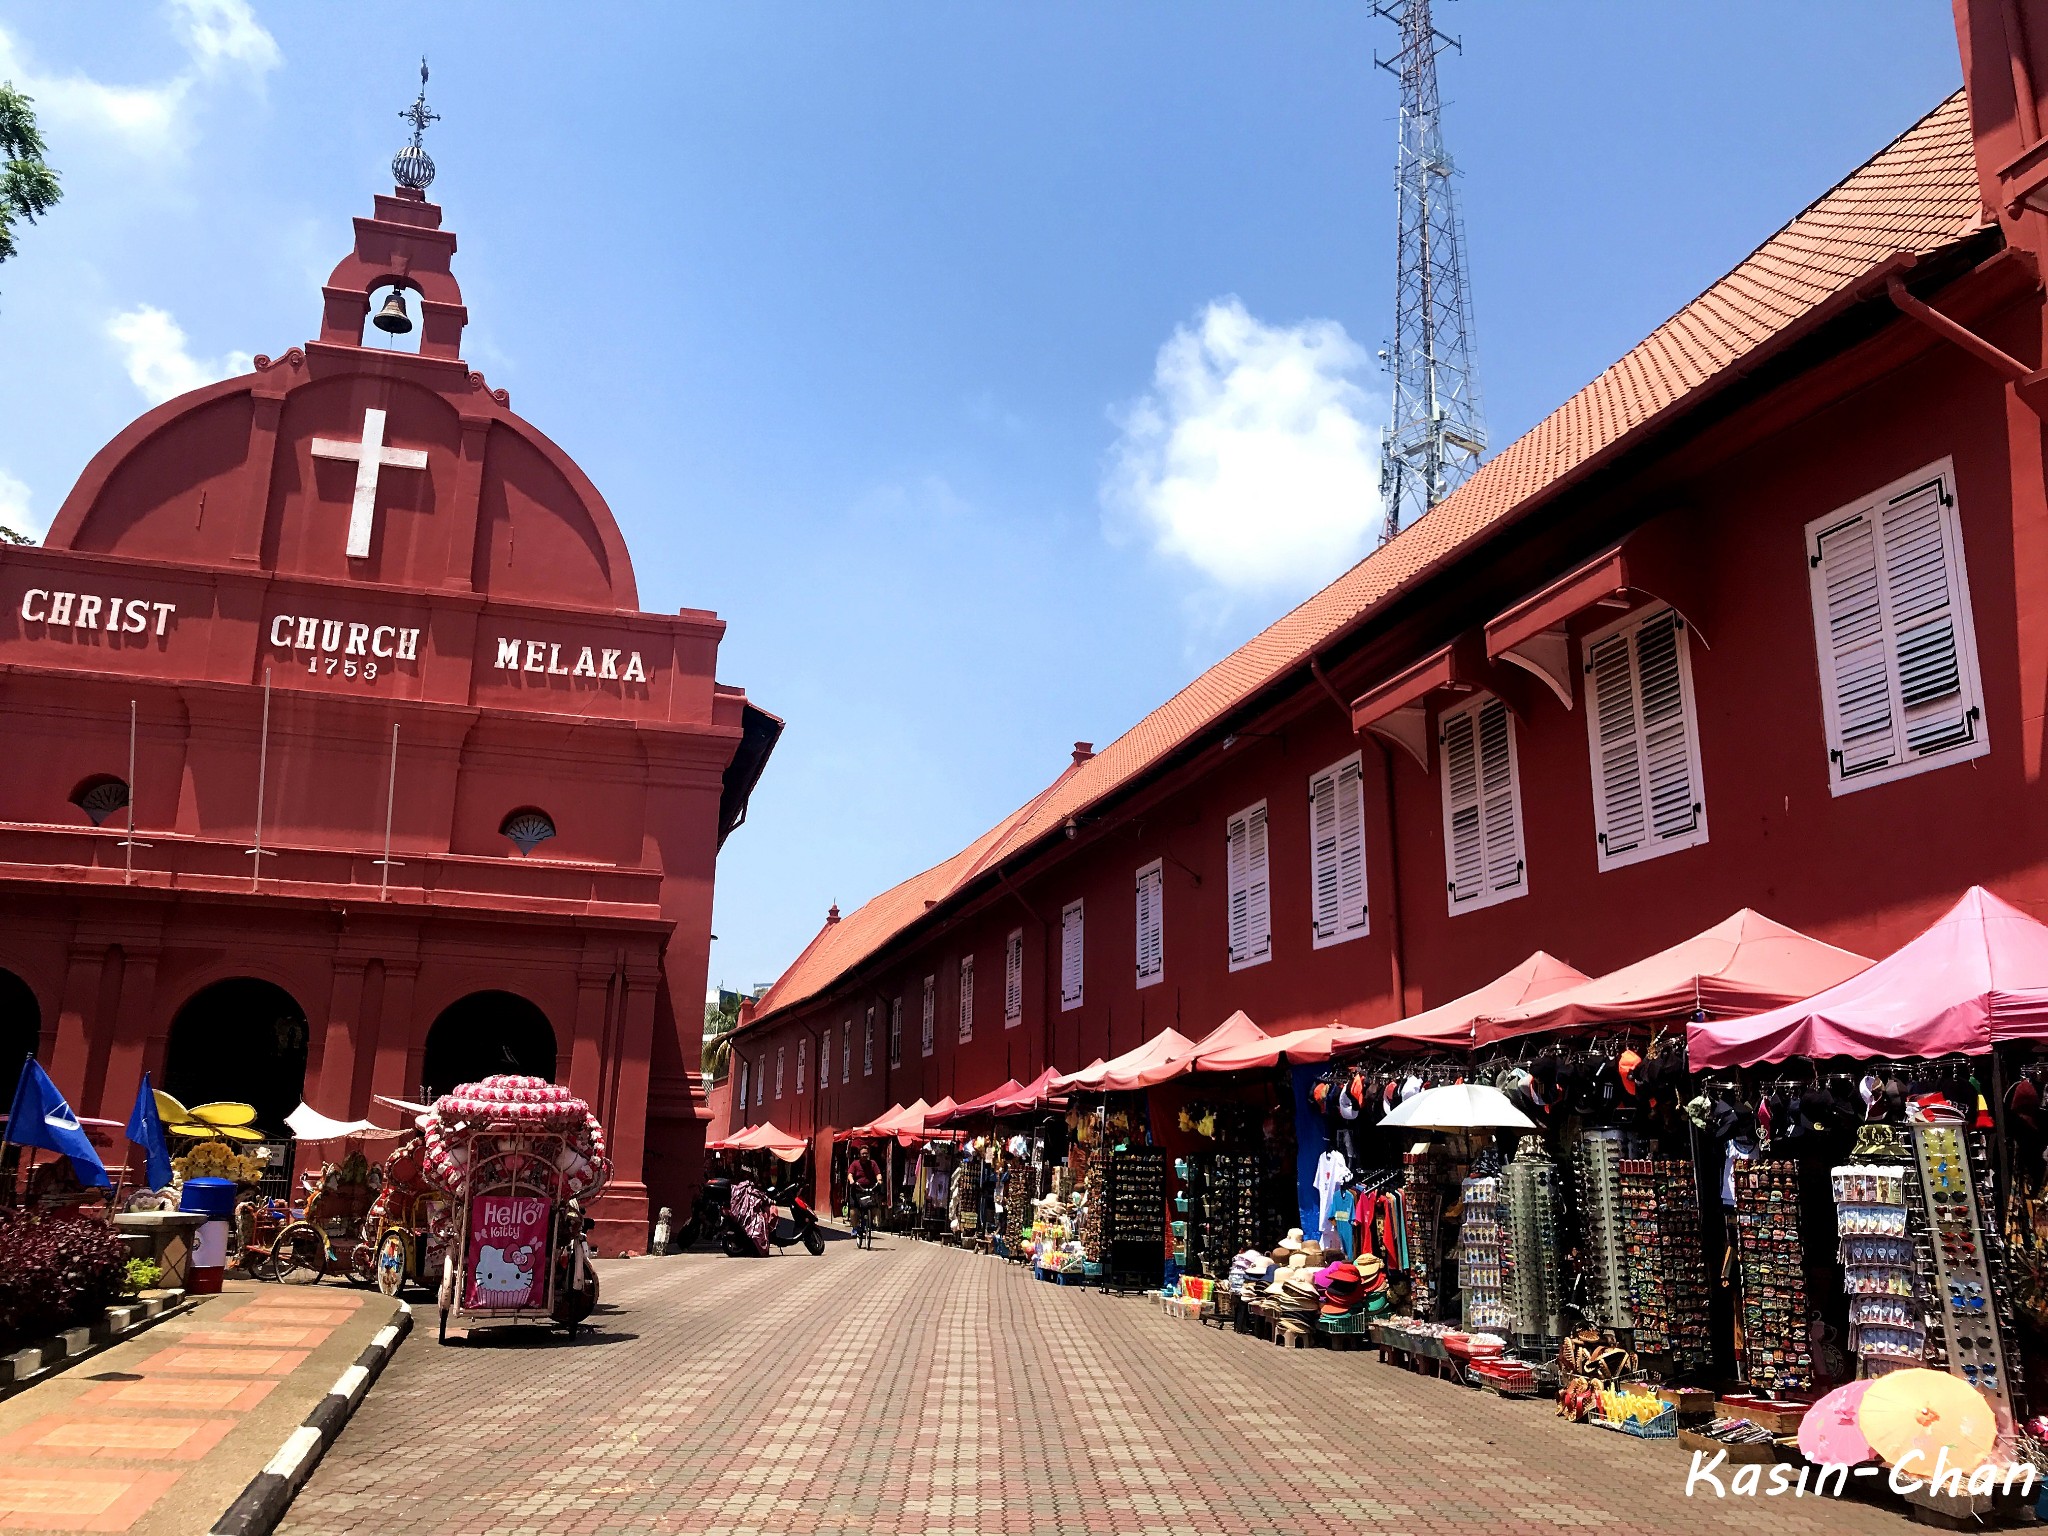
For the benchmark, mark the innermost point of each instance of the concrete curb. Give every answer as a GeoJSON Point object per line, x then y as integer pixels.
{"type": "Point", "coordinates": [36, 1363]}
{"type": "Point", "coordinates": [263, 1503]}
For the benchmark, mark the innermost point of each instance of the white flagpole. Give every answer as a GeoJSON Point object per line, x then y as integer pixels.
{"type": "Point", "coordinates": [128, 846]}
{"type": "Point", "coordinates": [262, 776]}
{"type": "Point", "coordinates": [390, 803]}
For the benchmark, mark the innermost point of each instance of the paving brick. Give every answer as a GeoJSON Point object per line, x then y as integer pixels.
{"type": "Point", "coordinates": [922, 1389]}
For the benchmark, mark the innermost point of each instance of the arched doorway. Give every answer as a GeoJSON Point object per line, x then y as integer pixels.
{"type": "Point", "coordinates": [21, 1026]}
{"type": "Point", "coordinates": [486, 1033]}
{"type": "Point", "coordinates": [241, 1040]}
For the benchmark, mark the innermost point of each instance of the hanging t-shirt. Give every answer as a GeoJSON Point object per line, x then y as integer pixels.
{"type": "Point", "coordinates": [1739, 1151]}
{"type": "Point", "coordinates": [1332, 1173]}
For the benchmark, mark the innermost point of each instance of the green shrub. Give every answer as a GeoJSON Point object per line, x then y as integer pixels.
{"type": "Point", "coordinates": [141, 1275]}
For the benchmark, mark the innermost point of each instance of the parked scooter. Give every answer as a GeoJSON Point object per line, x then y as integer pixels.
{"type": "Point", "coordinates": [802, 1217]}
{"type": "Point", "coordinates": [709, 1213]}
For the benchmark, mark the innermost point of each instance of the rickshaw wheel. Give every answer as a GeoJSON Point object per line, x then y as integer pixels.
{"type": "Point", "coordinates": [362, 1265]}
{"type": "Point", "coordinates": [391, 1257]}
{"type": "Point", "coordinates": [299, 1256]}
{"type": "Point", "coordinates": [447, 1292]}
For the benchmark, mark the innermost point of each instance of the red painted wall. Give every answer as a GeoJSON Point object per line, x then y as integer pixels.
{"type": "Point", "coordinates": [1865, 870]}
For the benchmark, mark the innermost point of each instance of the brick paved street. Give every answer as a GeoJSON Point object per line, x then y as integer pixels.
{"type": "Point", "coordinates": [921, 1389]}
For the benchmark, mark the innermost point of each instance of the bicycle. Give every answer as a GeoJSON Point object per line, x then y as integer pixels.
{"type": "Point", "coordinates": [864, 1221]}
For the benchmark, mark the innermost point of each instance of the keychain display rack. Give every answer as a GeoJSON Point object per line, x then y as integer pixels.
{"type": "Point", "coordinates": [1134, 1220]}
{"type": "Point", "coordinates": [1777, 1349]}
{"type": "Point", "coordinates": [1223, 1209]}
{"type": "Point", "coordinates": [1667, 1262]}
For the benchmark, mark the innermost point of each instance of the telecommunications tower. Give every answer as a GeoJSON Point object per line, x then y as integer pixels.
{"type": "Point", "coordinates": [1437, 434]}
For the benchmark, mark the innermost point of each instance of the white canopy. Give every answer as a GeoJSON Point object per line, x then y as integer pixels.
{"type": "Point", "coordinates": [308, 1124]}
{"type": "Point", "coordinates": [1459, 1107]}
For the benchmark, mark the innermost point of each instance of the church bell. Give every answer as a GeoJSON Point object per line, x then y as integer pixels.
{"type": "Point", "coordinates": [392, 317]}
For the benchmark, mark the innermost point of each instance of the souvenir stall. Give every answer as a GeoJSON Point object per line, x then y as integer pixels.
{"type": "Point", "coordinates": [1932, 1207]}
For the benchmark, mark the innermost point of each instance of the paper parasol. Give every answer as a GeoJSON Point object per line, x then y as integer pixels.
{"type": "Point", "coordinates": [1829, 1433]}
{"type": "Point", "coordinates": [226, 1119]}
{"type": "Point", "coordinates": [1910, 1417]}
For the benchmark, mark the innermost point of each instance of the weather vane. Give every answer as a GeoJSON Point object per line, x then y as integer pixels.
{"type": "Point", "coordinates": [412, 167]}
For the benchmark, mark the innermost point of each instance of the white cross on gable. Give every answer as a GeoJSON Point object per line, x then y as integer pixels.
{"type": "Point", "coordinates": [370, 457]}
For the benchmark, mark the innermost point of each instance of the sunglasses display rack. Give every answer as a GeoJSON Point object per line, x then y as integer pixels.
{"type": "Point", "coordinates": [1777, 1350]}
{"type": "Point", "coordinates": [1529, 1265]}
{"type": "Point", "coordinates": [1965, 1302]}
{"type": "Point", "coordinates": [1882, 1261]}
{"type": "Point", "coordinates": [1667, 1263]}
{"type": "Point", "coordinates": [1479, 1256]}
{"type": "Point", "coordinates": [1223, 1209]}
{"type": "Point", "coordinates": [1134, 1219]}
{"type": "Point", "coordinates": [1422, 1204]}
{"type": "Point", "coordinates": [1606, 1261]}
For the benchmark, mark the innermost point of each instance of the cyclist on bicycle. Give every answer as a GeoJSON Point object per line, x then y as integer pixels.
{"type": "Point", "coordinates": [864, 1183]}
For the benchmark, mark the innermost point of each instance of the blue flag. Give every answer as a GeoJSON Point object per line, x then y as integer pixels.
{"type": "Point", "coordinates": [146, 1130]}
{"type": "Point", "coordinates": [41, 1118]}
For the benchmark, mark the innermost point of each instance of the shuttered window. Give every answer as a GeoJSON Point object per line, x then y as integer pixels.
{"type": "Point", "coordinates": [1897, 647]}
{"type": "Point", "coordinates": [778, 1071]}
{"type": "Point", "coordinates": [1336, 831]}
{"type": "Point", "coordinates": [1013, 979]}
{"type": "Point", "coordinates": [803, 1048]}
{"type": "Point", "coordinates": [867, 1044]}
{"type": "Point", "coordinates": [1644, 733]}
{"type": "Point", "coordinates": [1151, 946]}
{"type": "Point", "coordinates": [930, 1021]}
{"type": "Point", "coordinates": [1484, 862]}
{"type": "Point", "coordinates": [846, 1054]}
{"type": "Point", "coordinates": [746, 1078]}
{"type": "Point", "coordinates": [966, 998]}
{"type": "Point", "coordinates": [1251, 892]}
{"type": "Point", "coordinates": [895, 1031]}
{"type": "Point", "coordinates": [1070, 956]}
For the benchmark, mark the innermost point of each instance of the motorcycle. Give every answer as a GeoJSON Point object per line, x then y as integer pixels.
{"type": "Point", "coordinates": [802, 1217]}
{"type": "Point", "coordinates": [707, 1215]}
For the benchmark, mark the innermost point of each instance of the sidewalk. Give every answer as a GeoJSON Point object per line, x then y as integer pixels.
{"type": "Point", "coordinates": [158, 1435]}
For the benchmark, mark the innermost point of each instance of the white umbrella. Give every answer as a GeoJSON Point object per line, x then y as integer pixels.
{"type": "Point", "coordinates": [1459, 1107]}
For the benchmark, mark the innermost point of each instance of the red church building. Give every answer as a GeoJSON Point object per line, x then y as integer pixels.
{"type": "Point", "coordinates": [342, 760]}
{"type": "Point", "coordinates": [1758, 618]}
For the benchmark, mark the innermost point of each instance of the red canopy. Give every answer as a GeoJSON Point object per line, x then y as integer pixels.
{"type": "Point", "coordinates": [1266, 1051]}
{"type": "Point", "coordinates": [1742, 965]}
{"type": "Point", "coordinates": [1455, 1022]}
{"type": "Point", "coordinates": [893, 1121]}
{"type": "Point", "coordinates": [980, 1105]}
{"type": "Point", "coordinates": [941, 1111]}
{"type": "Point", "coordinates": [1977, 976]}
{"type": "Point", "coordinates": [1035, 1094]}
{"type": "Point", "coordinates": [765, 1137]}
{"type": "Point", "coordinates": [1126, 1071]}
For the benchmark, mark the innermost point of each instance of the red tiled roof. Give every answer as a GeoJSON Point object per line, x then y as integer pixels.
{"type": "Point", "coordinates": [1915, 196]}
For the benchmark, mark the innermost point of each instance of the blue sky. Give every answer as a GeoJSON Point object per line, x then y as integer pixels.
{"type": "Point", "coordinates": [991, 369]}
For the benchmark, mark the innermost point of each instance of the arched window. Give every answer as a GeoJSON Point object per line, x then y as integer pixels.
{"type": "Point", "coordinates": [244, 1041]}
{"type": "Point", "coordinates": [100, 796]}
{"type": "Point", "coordinates": [527, 828]}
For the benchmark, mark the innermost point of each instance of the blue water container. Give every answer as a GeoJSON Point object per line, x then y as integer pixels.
{"type": "Point", "coordinates": [209, 1197]}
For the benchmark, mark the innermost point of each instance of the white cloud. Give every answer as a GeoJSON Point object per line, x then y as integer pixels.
{"type": "Point", "coordinates": [159, 362]}
{"type": "Point", "coordinates": [1255, 456]}
{"type": "Point", "coordinates": [218, 37]}
{"type": "Point", "coordinates": [14, 508]}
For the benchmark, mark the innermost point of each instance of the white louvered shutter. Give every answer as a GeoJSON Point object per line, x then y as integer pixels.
{"type": "Point", "coordinates": [803, 1048]}
{"type": "Point", "coordinates": [1151, 945]}
{"type": "Point", "coordinates": [1013, 979]}
{"type": "Point", "coordinates": [1483, 855]}
{"type": "Point", "coordinates": [895, 1031]}
{"type": "Point", "coordinates": [846, 1054]}
{"type": "Point", "coordinates": [1647, 797]}
{"type": "Point", "coordinates": [746, 1078]}
{"type": "Point", "coordinates": [930, 1022]}
{"type": "Point", "coordinates": [867, 1044]}
{"type": "Point", "coordinates": [1251, 895]}
{"type": "Point", "coordinates": [1897, 646]}
{"type": "Point", "coordinates": [966, 998]}
{"type": "Point", "coordinates": [1336, 813]}
{"type": "Point", "coordinates": [1070, 956]}
{"type": "Point", "coordinates": [778, 1071]}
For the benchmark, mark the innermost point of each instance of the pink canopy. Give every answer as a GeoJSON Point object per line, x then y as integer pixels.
{"type": "Point", "coordinates": [980, 1105]}
{"type": "Point", "coordinates": [1742, 965]}
{"type": "Point", "coordinates": [1266, 1051]}
{"type": "Point", "coordinates": [1456, 1022]}
{"type": "Point", "coordinates": [1127, 1071]}
{"type": "Point", "coordinates": [1236, 1033]}
{"type": "Point", "coordinates": [765, 1137]}
{"type": "Point", "coordinates": [939, 1112]}
{"type": "Point", "coordinates": [894, 1121]}
{"type": "Point", "coordinates": [1977, 976]}
{"type": "Point", "coordinates": [1036, 1094]}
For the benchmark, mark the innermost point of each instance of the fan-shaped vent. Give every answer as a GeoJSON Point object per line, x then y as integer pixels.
{"type": "Point", "coordinates": [101, 797]}
{"type": "Point", "coordinates": [528, 829]}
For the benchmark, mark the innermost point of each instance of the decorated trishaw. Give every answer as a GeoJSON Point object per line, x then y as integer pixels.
{"type": "Point", "coordinates": [518, 1158]}
{"type": "Point", "coordinates": [412, 1221]}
